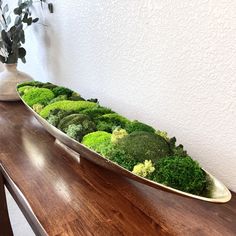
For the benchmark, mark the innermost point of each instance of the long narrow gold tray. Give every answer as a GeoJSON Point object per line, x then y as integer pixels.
{"type": "Point", "coordinates": [219, 192]}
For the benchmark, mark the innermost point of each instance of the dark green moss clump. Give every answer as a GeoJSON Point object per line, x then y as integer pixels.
{"type": "Point", "coordinates": [184, 174]}
{"type": "Point", "coordinates": [138, 126]}
{"type": "Point", "coordinates": [76, 126]}
{"type": "Point", "coordinates": [96, 112]}
{"type": "Point", "coordinates": [59, 90]}
{"type": "Point", "coordinates": [143, 146]}
{"type": "Point", "coordinates": [109, 122]}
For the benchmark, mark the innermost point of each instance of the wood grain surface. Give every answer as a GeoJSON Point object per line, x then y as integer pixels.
{"type": "Point", "coordinates": [61, 196]}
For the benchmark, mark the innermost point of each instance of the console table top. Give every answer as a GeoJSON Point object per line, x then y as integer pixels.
{"type": "Point", "coordinates": [61, 196]}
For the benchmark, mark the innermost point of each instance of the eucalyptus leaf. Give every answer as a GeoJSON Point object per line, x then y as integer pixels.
{"type": "Point", "coordinates": [21, 52]}
{"type": "Point", "coordinates": [17, 20]}
{"type": "Point", "coordinates": [5, 9]}
{"type": "Point", "coordinates": [23, 60]}
{"type": "Point", "coordinates": [35, 20]}
{"type": "Point", "coordinates": [17, 11]}
{"type": "Point", "coordinates": [8, 20]}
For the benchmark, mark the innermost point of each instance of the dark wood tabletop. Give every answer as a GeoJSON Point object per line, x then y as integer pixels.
{"type": "Point", "coordinates": [62, 196]}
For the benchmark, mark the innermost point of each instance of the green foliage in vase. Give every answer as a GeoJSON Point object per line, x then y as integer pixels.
{"type": "Point", "coordinates": [109, 122]}
{"type": "Point", "coordinates": [98, 141]}
{"type": "Point", "coordinates": [38, 95]}
{"type": "Point", "coordinates": [67, 106]}
{"type": "Point", "coordinates": [138, 126]}
{"type": "Point", "coordinates": [12, 25]}
{"type": "Point", "coordinates": [183, 173]}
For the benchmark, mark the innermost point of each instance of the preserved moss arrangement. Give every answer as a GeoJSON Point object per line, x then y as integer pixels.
{"type": "Point", "coordinates": [133, 145]}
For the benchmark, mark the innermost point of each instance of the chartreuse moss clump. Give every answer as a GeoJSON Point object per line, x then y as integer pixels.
{"type": "Point", "coordinates": [183, 173]}
{"type": "Point", "coordinates": [67, 106]}
{"type": "Point", "coordinates": [118, 134]}
{"type": "Point", "coordinates": [38, 95]}
{"type": "Point", "coordinates": [24, 89]}
{"type": "Point", "coordinates": [138, 126]}
{"type": "Point", "coordinates": [109, 122]}
{"type": "Point", "coordinates": [144, 169]}
{"type": "Point", "coordinates": [98, 141]}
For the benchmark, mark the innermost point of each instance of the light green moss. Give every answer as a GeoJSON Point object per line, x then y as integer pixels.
{"type": "Point", "coordinates": [67, 106]}
{"type": "Point", "coordinates": [38, 95]}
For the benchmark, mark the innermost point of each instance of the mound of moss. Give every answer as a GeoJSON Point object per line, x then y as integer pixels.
{"type": "Point", "coordinates": [56, 115]}
{"type": "Point", "coordinates": [109, 122]}
{"type": "Point", "coordinates": [59, 90]}
{"type": "Point", "coordinates": [96, 111]}
{"type": "Point", "coordinates": [30, 83]}
{"type": "Point", "coordinates": [58, 98]}
{"type": "Point", "coordinates": [24, 89]}
{"type": "Point", "coordinates": [67, 106]}
{"type": "Point", "coordinates": [143, 146]}
{"type": "Point", "coordinates": [76, 126]}
{"type": "Point", "coordinates": [98, 141]}
{"type": "Point", "coordinates": [38, 95]}
{"type": "Point", "coordinates": [138, 126]}
{"type": "Point", "coordinates": [183, 173]}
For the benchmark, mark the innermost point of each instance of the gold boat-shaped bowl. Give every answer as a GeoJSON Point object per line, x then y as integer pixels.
{"type": "Point", "coordinates": [219, 192]}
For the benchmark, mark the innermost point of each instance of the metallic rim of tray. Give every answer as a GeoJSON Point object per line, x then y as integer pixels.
{"type": "Point", "coordinates": [219, 192]}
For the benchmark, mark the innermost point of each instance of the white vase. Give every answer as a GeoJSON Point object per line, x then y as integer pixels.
{"type": "Point", "coordinates": [9, 79]}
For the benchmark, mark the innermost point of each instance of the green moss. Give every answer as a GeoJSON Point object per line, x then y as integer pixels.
{"type": "Point", "coordinates": [75, 119]}
{"type": "Point", "coordinates": [30, 83]}
{"type": "Point", "coordinates": [98, 141]}
{"type": "Point", "coordinates": [143, 146]}
{"type": "Point", "coordinates": [120, 157]}
{"type": "Point", "coordinates": [144, 169]}
{"type": "Point", "coordinates": [67, 106]}
{"type": "Point", "coordinates": [138, 126]}
{"type": "Point", "coordinates": [38, 95]}
{"type": "Point", "coordinates": [59, 90]}
{"type": "Point", "coordinates": [24, 89]}
{"type": "Point", "coordinates": [184, 174]}
{"type": "Point", "coordinates": [118, 134]}
{"type": "Point", "coordinates": [37, 107]}
{"type": "Point", "coordinates": [96, 111]}
{"type": "Point", "coordinates": [177, 150]}
{"type": "Point", "coordinates": [56, 115]}
{"type": "Point", "coordinates": [58, 98]}
{"type": "Point", "coordinates": [109, 122]}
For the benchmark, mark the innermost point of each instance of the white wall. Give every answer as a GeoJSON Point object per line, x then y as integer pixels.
{"type": "Point", "coordinates": [171, 64]}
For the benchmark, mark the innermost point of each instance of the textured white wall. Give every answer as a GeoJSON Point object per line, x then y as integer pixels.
{"type": "Point", "coordinates": [171, 64]}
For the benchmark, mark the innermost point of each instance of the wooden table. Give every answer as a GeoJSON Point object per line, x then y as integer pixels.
{"type": "Point", "coordinates": [60, 196]}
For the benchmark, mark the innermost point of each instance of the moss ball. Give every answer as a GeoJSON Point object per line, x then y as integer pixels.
{"type": "Point", "coordinates": [143, 146]}
{"type": "Point", "coordinates": [38, 95]}
{"type": "Point", "coordinates": [183, 174]}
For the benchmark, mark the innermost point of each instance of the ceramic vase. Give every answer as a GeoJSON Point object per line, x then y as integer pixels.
{"type": "Point", "coordinates": [9, 79]}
